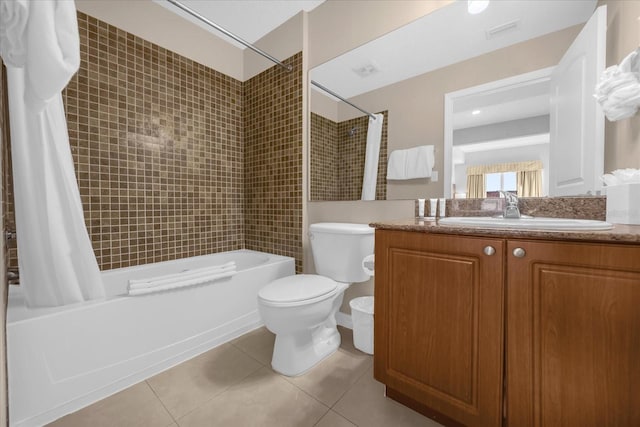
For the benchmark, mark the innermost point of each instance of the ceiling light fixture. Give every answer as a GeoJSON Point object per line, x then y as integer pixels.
{"type": "Point", "coordinates": [475, 112]}
{"type": "Point", "coordinates": [476, 6]}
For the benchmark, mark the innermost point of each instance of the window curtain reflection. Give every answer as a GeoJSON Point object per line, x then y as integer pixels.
{"type": "Point", "coordinates": [528, 176]}
{"type": "Point", "coordinates": [529, 183]}
{"type": "Point", "coordinates": [475, 186]}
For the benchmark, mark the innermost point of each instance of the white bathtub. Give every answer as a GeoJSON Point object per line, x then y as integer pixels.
{"type": "Point", "coordinates": [62, 359]}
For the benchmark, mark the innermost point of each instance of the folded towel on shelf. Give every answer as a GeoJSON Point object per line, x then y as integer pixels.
{"type": "Point", "coordinates": [618, 91]}
{"type": "Point", "coordinates": [179, 280]}
{"type": "Point", "coordinates": [412, 163]}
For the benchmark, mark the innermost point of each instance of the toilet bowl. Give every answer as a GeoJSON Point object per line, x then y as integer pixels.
{"type": "Point", "coordinates": [304, 325]}
{"type": "Point", "coordinates": [301, 310]}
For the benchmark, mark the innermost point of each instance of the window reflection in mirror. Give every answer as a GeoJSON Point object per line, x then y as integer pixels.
{"type": "Point", "coordinates": [500, 182]}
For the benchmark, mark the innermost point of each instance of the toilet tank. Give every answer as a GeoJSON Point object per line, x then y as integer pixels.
{"type": "Point", "coordinates": [338, 250]}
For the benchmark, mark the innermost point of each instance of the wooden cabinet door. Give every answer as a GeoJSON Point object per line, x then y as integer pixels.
{"type": "Point", "coordinates": [439, 324]}
{"type": "Point", "coordinates": [573, 335]}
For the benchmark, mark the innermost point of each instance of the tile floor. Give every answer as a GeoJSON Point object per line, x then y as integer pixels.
{"type": "Point", "coordinates": [234, 385]}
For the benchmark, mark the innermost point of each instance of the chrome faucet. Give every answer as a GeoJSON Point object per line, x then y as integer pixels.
{"type": "Point", "coordinates": [511, 209]}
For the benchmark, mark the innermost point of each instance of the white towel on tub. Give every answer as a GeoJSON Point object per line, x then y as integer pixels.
{"type": "Point", "coordinates": [412, 163]}
{"type": "Point", "coordinates": [193, 277]}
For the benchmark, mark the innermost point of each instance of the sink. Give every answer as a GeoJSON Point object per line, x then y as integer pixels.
{"type": "Point", "coordinates": [552, 224]}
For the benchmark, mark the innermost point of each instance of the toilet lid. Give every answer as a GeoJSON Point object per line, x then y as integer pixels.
{"type": "Point", "coordinates": [299, 287]}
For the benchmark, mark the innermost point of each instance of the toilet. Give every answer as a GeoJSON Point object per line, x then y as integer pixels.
{"type": "Point", "coordinates": [301, 310]}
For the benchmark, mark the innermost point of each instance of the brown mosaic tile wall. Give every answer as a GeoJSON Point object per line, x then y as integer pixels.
{"type": "Point", "coordinates": [9, 255]}
{"type": "Point", "coordinates": [8, 210]}
{"type": "Point", "coordinates": [324, 159]}
{"type": "Point", "coordinates": [337, 162]}
{"type": "Point", "coordinates": [157, 143]}
{"type": "Point", "coordinates": [273, 161]}
{"type": "Point", "coordinates": [351, 152]}
{"type": "Point", "coordinates": [8, 218]}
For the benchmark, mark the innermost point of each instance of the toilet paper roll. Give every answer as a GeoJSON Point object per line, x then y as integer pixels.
{"type": "Point", "coordinates": [368, 264]}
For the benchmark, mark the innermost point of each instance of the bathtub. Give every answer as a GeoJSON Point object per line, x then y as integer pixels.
{"type": "Point", "coordinates": [62, 359]}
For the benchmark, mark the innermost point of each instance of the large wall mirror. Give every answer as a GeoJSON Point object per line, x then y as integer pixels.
{"type": "Point", "coordinates": [480, 89]}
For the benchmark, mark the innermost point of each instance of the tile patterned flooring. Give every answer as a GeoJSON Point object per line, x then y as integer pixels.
{"type": "Point", "coordinates": [234, 385]}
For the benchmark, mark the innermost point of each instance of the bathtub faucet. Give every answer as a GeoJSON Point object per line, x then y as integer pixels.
{"type": "Point", "coordinates": [511, 209]}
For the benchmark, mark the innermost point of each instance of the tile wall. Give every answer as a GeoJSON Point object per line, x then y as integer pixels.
{"type": "Point", "coordinates": [337, 158]}
{"type": "Point", "coordinates": [324, 159]}
{"type": "Point", "coordinates": [158, 143]}
{"type": "Point", "coordinates": [273, 161]}
{"type": "Point", "coordinates": [8, 218]}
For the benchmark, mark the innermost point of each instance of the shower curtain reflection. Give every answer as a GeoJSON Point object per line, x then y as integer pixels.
{"type": "Point", "coordinates": [372, 155]}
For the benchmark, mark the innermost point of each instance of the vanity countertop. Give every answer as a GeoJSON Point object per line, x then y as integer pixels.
{"type": "Point", "coordinates": [619, 234]}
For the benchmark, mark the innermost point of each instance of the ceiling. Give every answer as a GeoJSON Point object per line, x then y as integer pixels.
{"type": "Point", "coordinates": [444, 37]}
{"type": "Point", "coordinates": [248, 19]}
{"type": "Point", "coordinates": [511, 103]}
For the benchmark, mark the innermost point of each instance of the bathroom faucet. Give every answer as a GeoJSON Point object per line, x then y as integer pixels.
{"type": "Point", "coordinates": [511, 209]}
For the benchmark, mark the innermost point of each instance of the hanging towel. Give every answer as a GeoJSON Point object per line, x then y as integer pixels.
{"type": "Point", "coordinates": [618, 91]}
{"type": "Point", "coordinates": [412, 163]}
{"type": "Point", "coordinates": [179, 280]}
{"type": "Point", "coordinates": [374, 135]}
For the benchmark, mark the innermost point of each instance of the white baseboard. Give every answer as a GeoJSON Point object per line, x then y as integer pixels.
{"type": "Point", "coordinates": [344, 320]}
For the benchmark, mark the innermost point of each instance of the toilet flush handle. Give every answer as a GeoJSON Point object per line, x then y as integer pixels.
{"type": "Point", "coordinates": [368, 264]}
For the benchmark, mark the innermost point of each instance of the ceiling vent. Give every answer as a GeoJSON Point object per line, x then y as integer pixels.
{"type": "Point", "coordinates": [367, 69]}
{"type": "Point", "coordinates": [503, 28]}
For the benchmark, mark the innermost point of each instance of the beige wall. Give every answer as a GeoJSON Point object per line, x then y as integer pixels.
{"type": "Point", "coordinates": [283, 42]}
{"type": "Point", "coordinates": [324, 106]}
{"type": "Point", "coordinates": [622, 138]}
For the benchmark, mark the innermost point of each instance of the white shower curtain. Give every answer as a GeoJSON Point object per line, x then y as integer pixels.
{"type": "Point", "coordinates": [40, 47]}
{"type": "Point", "coordinates": [374, 135]}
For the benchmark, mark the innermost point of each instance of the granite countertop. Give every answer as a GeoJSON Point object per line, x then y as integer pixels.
{"type": "Point", "coordinates": [619, 234]}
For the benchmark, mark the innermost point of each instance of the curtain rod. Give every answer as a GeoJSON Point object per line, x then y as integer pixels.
{"type": "Point", "coordinates": [228, 33]}
{"type": "Point", "coordinates": [329, 91]}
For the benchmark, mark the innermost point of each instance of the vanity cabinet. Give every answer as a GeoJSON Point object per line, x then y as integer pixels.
{"type": "Point", "coordinates": [439, 324]}
{"type": "Point", "coordinates": [486, 332]}
{"type": "Point", "coordinates": [573, 334]}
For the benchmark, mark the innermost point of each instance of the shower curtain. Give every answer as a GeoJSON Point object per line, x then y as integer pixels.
{"type": "Point", "coordinates": [374, 135]}
{"type": "Point", "coordinates": [40, 46]}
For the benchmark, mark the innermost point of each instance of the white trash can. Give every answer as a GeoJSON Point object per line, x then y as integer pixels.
{"type": "Point", "coordinates": [362, 317]}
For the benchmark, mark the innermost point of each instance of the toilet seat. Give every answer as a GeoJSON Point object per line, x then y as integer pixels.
{"type": "Point", "coordinates": [300, 289]}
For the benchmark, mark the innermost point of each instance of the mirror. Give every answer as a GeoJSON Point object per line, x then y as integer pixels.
{"type": "Point", "coordinates": [499, 130]}
{"type": "Point", "coordinates": [406, 74]}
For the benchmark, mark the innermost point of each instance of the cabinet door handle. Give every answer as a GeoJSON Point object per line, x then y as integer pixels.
{"type": "Point", "coordinates": [519, 252]}
{"type": "Point", "coordinates": [489, 250]}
